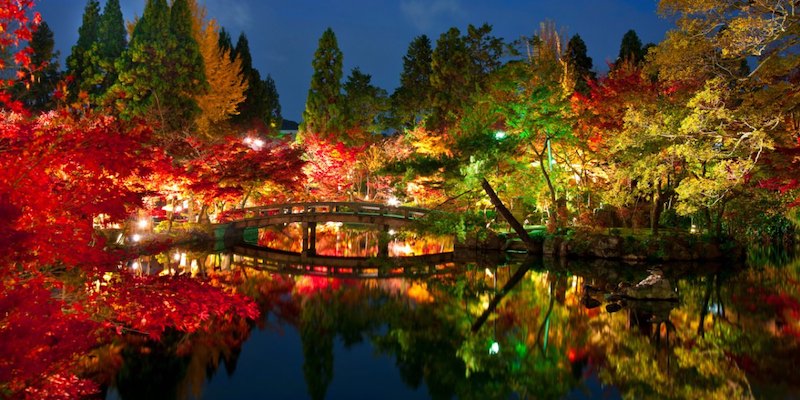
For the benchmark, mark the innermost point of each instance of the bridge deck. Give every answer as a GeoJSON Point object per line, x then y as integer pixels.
{"type": "Point", "coordinates": [347, 212]}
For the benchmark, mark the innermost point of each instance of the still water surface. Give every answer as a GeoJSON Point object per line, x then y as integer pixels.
{"type": "Point", "coordinates": [486, 326]}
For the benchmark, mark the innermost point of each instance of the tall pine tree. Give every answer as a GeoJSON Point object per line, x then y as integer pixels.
{"type": "Point", "coordinates": [188, 74]}
{"type": "Point", "coordinates": [78, 62]}
{"type": "Point", "coordinates": [460, 67]}
{"type": "Point", "coordinates": [324, 110]}
{"type": "Point", "coordinates": [630, 50]}
{"type": "Point", "coordinates": [410, 101]}
{"type": "Point", "coordinates": [111, 42]}
{"type": "Point", "coordinates": [365, 104]}
{"type": "Point", "coordinates": [35, 89]}
{"type": "Point", "coordinates": [273, 117]}
{"type": "Point", "coordinates": [162, 71]}
{"type": "Point", "coordinates": [579, 64]}
{"type": "Point", "coordinates": [258, 110]}
{"type": "Point", "coordinates": [451, 68]}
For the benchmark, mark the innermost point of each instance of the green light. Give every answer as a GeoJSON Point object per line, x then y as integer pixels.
{"type": "Point", "coordinates": [494, 348]}
{"type": "Point", "coordinates": [500, 135]}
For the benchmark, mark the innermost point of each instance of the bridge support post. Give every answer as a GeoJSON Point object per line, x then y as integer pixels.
{"type": "Point", "coordinates": [309, 239]}
{"type": "Point", "coordinates": [383, 249]}
{"type": "Point", "coordinates": [312, 242]}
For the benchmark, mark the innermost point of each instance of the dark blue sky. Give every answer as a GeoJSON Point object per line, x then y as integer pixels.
{"type": "Point", "coordinates": [374, 34]}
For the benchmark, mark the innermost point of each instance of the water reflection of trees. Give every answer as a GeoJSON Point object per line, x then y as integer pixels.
{"type": "Point", "coordinates": [733, 334]}
{"type": "Point", "coordinates": [353, 240]}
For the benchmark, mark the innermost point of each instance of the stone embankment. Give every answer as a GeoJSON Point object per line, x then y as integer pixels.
{"type": "Point", "coordinates": [666, 247]}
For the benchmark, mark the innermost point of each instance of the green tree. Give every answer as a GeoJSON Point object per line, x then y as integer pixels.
{"type": "Point", "coordinates": [451, 82]}
{"type": "Point", "coordinates": [261, 108]}
{"type": "Point", "coordinates": [111, 42]}
{"type": "Point", "coordinates": [580, 64]}
{"type": "Point", "coordinates": [460, 67]}
{"type": "Point", "coordinates": [188, 74]}
{"type": "Point", "coordinates": [104, 52]}
{"type": "Point", "coordinates": [143, 67]}
{"type": "Point", "coordinates": [35, 89]}
{"type": "Point", "coordinates": [162, 71]}
{"type": "Point", "coordinates": [630, 49]}
{"type": "Point", "coordinates": [324, 109]}
{"type": "Point", "coordinates": [410, 101]}
{"type": "Point", "coordinates": [78, 63]}
{"type": "Point", "coordinates": [365, 105]}
{"type": "Point", "coordinates": [484, 51]}
{"type": "Point", "coordinates": [273, 118]}
{"type": "Point", "coordinates": [225, 41]}
{"type": "Point", "coordinates": [536, 109]}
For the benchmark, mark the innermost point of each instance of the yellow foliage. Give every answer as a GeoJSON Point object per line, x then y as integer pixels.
{"type": "Point", "coordinates": [224, 76]}
{"type": "Point", "coordinates": [430, 143]}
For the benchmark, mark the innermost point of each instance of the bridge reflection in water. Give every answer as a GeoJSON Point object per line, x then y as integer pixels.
{"type": "Point", "coordinates": [345, 267]}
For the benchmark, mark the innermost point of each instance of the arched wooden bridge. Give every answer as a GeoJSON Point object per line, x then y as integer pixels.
{"type": "Point", "coordinates": [310, 214]}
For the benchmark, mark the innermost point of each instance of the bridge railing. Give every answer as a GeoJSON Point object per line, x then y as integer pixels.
{"type": "Point", "coordinates": [349, 208]}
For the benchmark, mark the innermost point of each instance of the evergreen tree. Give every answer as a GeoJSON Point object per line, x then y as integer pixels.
{"type": "Point", "coordinates": [580, 64]}
{"type": "Point", "coordinates": [162, 71]}
{"type": "Point", "coordinates": [111, 42]}
{"type": "Point", "coordinates": [260, 109]}
{"type": "Point", "coordinates": [225, 42]}
{"type": "Point", "coordinates": [630, 50]}
{"type": "Point", "coordinates": [410, 100]}
{"type": "Point", "coordinates": [460, 67]}
{"type": "Point", "coordinates": [451, 80]}
{"type": "Point", "coordinates": [78, 64]}
{"type": "Point", "coordinates": [188, 78]}
{"type": "Point", "coordinates": [35, 89]}
{"type": "Point", "coordinates": [274, 119]}
{"type": "Point", "coordinates": [365, 104]}
{"type": "Point", "coordinates": [324, 114]}
{"type": "Point", "coordinates": [484, 51]}
{"type": "Point", "coordinates": [143, 66]}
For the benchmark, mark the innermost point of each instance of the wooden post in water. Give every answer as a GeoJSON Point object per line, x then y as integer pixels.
{"type": "Point", "coordinates": [304, 251]}
{"type": "Point", "coordinates": [383, 250]}
{"type": "Point", "coordinates": [312, 240]}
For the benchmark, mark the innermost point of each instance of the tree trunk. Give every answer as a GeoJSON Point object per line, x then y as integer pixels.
{"type": "Point", "coordinates": [202, 216]}
{"type": "Point", "coordinates": [655, 210]}
{"type": "Point", "coordinates": [553, 201]}
{"type": "Point", "coordinates": [502, 210]}
{"type": "Point", "coordinates": [718, 230]}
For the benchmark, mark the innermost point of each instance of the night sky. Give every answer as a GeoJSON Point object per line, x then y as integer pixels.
{"type": "Point", "coordinates": [374, 34]}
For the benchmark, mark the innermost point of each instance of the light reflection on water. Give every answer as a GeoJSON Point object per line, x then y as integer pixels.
{"type": "Point", "coordinates": [334, 239]}
{"type": "Point", "coordinates": [560, 329]}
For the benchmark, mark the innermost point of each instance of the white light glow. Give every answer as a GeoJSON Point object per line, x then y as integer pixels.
{"type": "Point", "coordinates": [142, 223]}
{"type": "Point", "coordinates": [136, 237]}
{"type": "Point", "coordinates": [393, 201]}
{"type": "Point", "coordinates": [254, 143]}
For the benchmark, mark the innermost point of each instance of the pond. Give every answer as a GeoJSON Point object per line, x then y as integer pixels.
{"type": "Point", "coordinates": [481, 326]}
